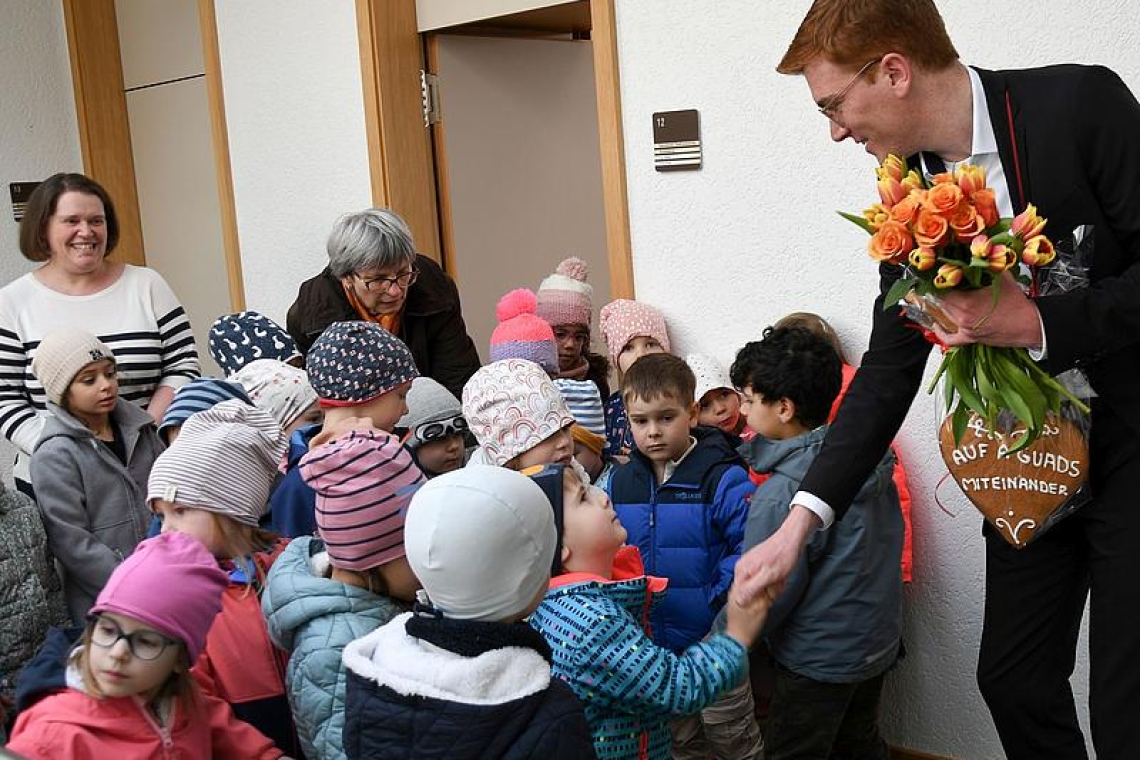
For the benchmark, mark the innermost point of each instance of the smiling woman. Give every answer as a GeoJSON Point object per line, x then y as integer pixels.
{"type": "Point", "coordinates": [374, 274]}
{"type": "Point", "coordinates": [71, 226]}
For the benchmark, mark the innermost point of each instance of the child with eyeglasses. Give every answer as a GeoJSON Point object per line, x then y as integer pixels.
{"type": "Point", "coordinates": [131, 693]}
{"type": "Point", "coordinates": [436, 431]}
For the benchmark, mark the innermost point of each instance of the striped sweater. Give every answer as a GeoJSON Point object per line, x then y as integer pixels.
{"type": "Point", "coordinates": [138, 317]}
{"type": "Point", "coordinates": [629, 686]}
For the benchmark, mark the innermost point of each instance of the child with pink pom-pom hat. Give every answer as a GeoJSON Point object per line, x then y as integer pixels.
{"type": "Point", "coordinates": [521, 334]}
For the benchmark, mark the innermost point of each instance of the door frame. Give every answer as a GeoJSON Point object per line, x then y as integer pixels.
{"type": "Point", "coordinates": [408, 164]}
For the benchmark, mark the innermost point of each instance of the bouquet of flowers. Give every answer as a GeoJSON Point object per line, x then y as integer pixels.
{"type": "Point", "coordinates": [947, 236]}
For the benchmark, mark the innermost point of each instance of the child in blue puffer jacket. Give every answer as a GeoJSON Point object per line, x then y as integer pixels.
{"type": "Point", "coordinates": [323, 593]}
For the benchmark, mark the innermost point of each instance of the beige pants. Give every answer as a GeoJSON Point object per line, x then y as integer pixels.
{"type": "Point", "coordinates": [726, 729]}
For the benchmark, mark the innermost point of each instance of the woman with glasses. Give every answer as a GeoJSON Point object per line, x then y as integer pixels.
{"type": "Point", "coordinates": [374, 274]}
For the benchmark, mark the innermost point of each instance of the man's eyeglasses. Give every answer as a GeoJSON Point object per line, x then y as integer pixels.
{"type": "Point", "coordinates": [403, 281]}
{"type": "Point", "coordinates": [833, 104]}
{"type": "Point", "coordinates": [145, 645]}
{"type": "Point", "coordinates": [435, 431]}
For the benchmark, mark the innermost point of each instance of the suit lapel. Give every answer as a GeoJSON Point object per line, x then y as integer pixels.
{"type": "Point", "coordinates": [1013, 163]}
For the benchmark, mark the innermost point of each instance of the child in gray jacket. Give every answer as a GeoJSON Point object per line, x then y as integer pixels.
{"type": "Point", "coordinates": [91, 464]}
{"type": "Point", "coordinates": [835, 629]}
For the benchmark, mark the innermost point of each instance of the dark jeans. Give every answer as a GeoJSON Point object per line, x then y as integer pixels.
{"type": "Point", "coordinates": [810, 719]}
{"type": "Point", "coordinates": [1035, 598]}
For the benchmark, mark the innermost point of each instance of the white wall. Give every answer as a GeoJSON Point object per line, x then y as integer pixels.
{"type": "Point", "coordinates": [729, 249]}
{"type": "Point", "coordinates": [295, 113]}
{"type": "Point", "coordinates": [520, 118]}
{"type": "Point", "coordinates": [38, 132]}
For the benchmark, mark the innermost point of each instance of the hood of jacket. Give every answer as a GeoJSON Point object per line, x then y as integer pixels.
{"type": "Point", "coordinates": [792, 457]}
{"type": "Point", "coordinates": [298, 593]}
{"type": "Point", "coordinates": [129, 418]}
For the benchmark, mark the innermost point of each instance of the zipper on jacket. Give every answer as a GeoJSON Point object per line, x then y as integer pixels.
{"type": "Point", "coordinates": [164, 732]}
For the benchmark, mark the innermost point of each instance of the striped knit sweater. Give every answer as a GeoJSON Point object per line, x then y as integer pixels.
{"type": "Point", "coordinates": [138, 316]}
{"type": "Point", "coordinates": [629, 686]}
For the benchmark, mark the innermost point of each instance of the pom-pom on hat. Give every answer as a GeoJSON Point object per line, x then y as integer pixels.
{"type": "Point", "coordinates": [521, 334]}
{"type": "Point", "coordinates": [354, 362]}
{"type": "Point", "coordinates": [238, 339]}
{"type": "Point", "coordinates": [710, 374]}
{"type": "Point", "coordinates": [623, 320]}
{"type": "Point", "coordinates": [61, 354]}
{"type": "Point", "coordinates": [511, 406]}
{"type": "Point", "coordinates": [428, 401]}
{"type": "Point", "coordinates": [363, 483]}
{"type": "Point", "coordinates": [279, 388]}
{"type": "Point", "coordinates": [481, 540]}
{"type": "Point", "coordinates": [565, 298]}
{"type": "Point", "coordinates": [171, 583]}
{"type": "Point", "coordinates": [198, 395]}
{"type": "Point", "coordinates": [224, 461]}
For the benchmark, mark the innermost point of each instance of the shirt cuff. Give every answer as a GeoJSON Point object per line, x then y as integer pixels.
{"type": "Point", "coordinates": [1037, 354]}
{"type": "Point", "coordinates": [817, 506]}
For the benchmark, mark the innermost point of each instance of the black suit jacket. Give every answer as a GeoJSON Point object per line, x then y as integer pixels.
{"type": "Point", "coordinates": [1074, 152]}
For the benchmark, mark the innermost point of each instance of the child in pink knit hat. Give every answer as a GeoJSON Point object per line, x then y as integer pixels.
{"type": "Point", "coordinates": [133, 695]}
{"type": "Point", "coordinates": [631, 330]}
{"type": "Point", "coordinates": [565, 301]}
{"type": "Point", "coordinates": [521, 334]}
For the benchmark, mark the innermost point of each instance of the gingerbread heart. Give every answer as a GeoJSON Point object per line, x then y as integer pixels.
{"type": "Point", "coordinates": [1023, 493]}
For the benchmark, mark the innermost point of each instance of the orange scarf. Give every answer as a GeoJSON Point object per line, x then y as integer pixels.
{"type": "Point", "coordinates": [390, 322]}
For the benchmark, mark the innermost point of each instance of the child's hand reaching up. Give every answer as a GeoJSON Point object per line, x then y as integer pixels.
{"type": "Point", "coordinates": [744, 621]}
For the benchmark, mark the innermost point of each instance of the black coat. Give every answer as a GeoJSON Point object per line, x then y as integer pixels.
{"type": "Point", "coordinates": [432, 323]}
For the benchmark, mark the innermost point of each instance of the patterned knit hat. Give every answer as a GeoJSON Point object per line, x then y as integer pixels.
{"type": "Point", "coordinates": [61, 354]}
{"type": "Point", "coordinates": [238, 339]}
{"type": "Point", "coordinates": [565, 298]}
{"type": "Point", "coordinates": [279, 388]}
{"type": "Point", "coordinates": [355, 362]}
{"type": "Point", "coordinates": [199, 394]}
{"type": "Point", "coordinates": [710, 374]}
{"type": "Point", "coordinates": [623, 320]}
{"type": "Point", "coordinates": [428, 401]}
{"type": "Point", "coordinates": [521, 334]}
{"type": "Point", "coordinates": [481, 540]}
{"type": "Point", "coordinates": [363, 483]}
{"type": "Point", "coordinates": [224, 461]}
{"type": "Point", "coordinates": [512, 406]}
{"type": "Point", "coordinates": [172, 583]}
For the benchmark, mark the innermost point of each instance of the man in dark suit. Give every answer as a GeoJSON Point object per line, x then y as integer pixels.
{"type": "Point", "coordinates": [1067, 139]}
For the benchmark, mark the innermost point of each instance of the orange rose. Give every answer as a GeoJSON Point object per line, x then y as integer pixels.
{"type": "Point", "coordinates": [1027, 224]}
{"type": "Point", "coordinates": [906, 210]}
{"type": "Point", "coordinates": [930, 229]}
{"type": "Point", "coordinates": [970, 179]}
{"type": "Point", "coordinates": [923, 259]}
{"type": "Point", "coordinates": [943, 178]}
{"type": "Point", "coordinates": [876, 215]}
{"type": "Point", "coordinates": [965, 221]}
{"type": "Point", "coordinates": [1038, 251]}
{"type": "Point", "coordinates": [948, 276]}
{"type": "Point", "coordinates": [944, 198]}
{"type": "Point", "coordinates": [986, 205]}
{"type": "Point", "coordinates": [891, 243]}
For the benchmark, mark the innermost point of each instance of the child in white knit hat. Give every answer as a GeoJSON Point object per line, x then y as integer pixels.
{"type": "Point", "coordinates": [518, 416]}
{"type": "Point", "coordinates": [282, 390]}
{"type": "Point", "coordinates": [718, 402]}
{"type": "Point", "coordinates": [463, 665]}
{"type": "Point", "coordinates": [213, 484]}
{"type": "Point", "coordinates": [436, 431]}
{"type": "Point", "coordinates": [90, 467]}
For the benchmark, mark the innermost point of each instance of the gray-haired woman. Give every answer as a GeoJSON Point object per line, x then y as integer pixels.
{"type": "Point", "coordinates": [374, 274]}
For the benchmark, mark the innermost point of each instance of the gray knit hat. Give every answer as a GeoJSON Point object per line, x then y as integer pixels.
{"type": "Point", "coordinates": [61, 354]}
{"type": "Point", "coordinates": [224, 461]}
{"type": "Point", "coordinates": [428, 401]}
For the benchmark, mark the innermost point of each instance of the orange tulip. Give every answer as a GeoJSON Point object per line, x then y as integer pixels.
{"type": "Point", "coordinates": [912, 181]}
{"type": "Point", "coordinates": [893, 166]}
{"type": "Point", "coordinates": [923, 259]}
{"type": "Point", "coordinates": [980, 247]}
{"type": "Point", "coordinates": [930, 229]}
{"type": "Point", "coordinates": [1001, 257]}
{"type": "Point", "coordinates": [1038, 251]}
{"type": "Point", "coordinates": [891, 243]}
{"type": "Point", "coordinates": [948, 276]}
{"type": "Point", "coordinates": [1027, 224]}
{"type": "Point", "coordinates": [876, 215]}
{"type": "Point", "coordinates": [891, 191]}
{"type": "Point", "coordinates": [970, 179]}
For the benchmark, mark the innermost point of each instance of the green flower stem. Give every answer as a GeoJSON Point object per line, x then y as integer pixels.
{"type": "Point", "coordinates": [988, 380]}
